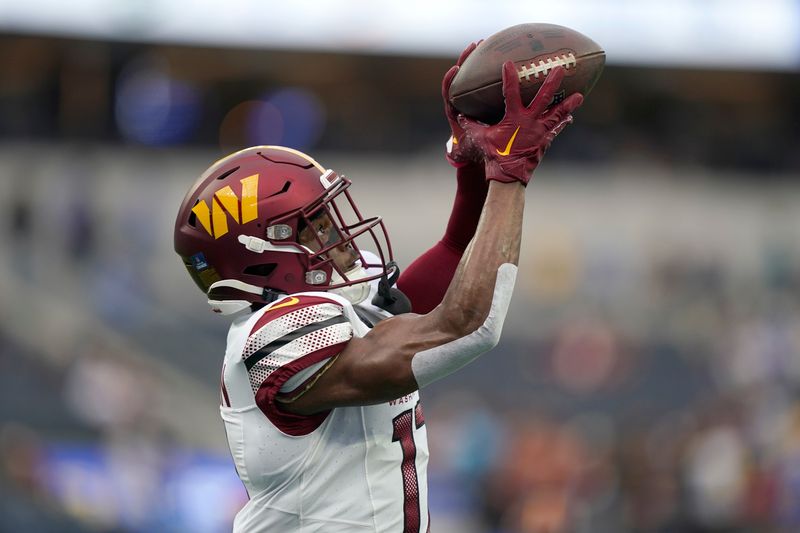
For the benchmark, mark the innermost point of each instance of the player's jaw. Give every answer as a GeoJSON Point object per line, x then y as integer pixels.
{"type": "Point", "coordinates": [345, 257]}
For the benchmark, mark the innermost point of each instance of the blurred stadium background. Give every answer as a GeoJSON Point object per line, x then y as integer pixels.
{"type": "Point", "coordinates": [649, 373]}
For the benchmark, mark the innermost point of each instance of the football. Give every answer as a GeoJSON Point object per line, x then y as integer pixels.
{"type": "Point", "coordinates": [476, 90]}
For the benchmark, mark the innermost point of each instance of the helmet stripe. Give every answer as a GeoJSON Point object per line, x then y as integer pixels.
{"type": "Point", "coordinates": [249, 198]}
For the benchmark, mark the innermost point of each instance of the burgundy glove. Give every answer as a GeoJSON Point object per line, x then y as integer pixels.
{"type": "Point", "coordinates": [512, 148]}
{"type": "Point", "coordinates": [460, 150]}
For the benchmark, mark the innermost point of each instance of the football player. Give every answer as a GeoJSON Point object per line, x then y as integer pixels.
{"type": "Point", "coordinates": [325, 356]}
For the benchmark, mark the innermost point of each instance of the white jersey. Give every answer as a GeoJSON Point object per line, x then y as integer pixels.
{"type": "Point", "coordinates": [350, 469]}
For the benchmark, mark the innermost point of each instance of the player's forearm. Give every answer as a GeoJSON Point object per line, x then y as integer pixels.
{"type": "Point", "coordinates": [496, 242]}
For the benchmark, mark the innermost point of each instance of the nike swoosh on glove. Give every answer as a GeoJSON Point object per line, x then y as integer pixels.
{"type": "Point", "coordinates": [513, 147]}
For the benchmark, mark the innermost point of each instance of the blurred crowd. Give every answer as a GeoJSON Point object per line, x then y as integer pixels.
{"type": "Point", "coordinates": [198, 96]}
{"type": "Point", "coordinates": [84, 447]}
{"type": "Point", "coordinates": [672, 433]}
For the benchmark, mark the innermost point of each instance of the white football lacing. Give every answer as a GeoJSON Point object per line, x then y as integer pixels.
{"type": "Point", "coordinates": [543, 67]}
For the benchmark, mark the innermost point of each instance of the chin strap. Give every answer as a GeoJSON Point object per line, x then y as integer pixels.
{"type": "Point", "coordinates": [388, 297]}
{"type": "Point", "coordinates": [228, 288]}
{"type": "Point", "coordinates": [355, 293]}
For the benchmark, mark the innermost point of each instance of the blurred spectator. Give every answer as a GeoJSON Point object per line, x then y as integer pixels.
{"type": "Point", "coordinates": [716, 476]}
{"type": "Point", "coordinates": [25, 505]}
{"type": "Point", "coordinates": [108, 393]}
{"type": "Point", "coordinates": [533, 489]}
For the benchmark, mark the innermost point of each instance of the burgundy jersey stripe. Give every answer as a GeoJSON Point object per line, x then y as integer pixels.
{"type": "Point", "coordinates": [404, 433]}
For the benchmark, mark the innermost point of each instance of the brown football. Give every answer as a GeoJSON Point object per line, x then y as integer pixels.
{"type": "Point", "coordinates": [477, 89]}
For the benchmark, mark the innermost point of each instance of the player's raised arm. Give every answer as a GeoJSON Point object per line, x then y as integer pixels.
{"type": "Point", "coordinates": [426, 279]}
{"type": "Point", "coordinates": [410, 351]}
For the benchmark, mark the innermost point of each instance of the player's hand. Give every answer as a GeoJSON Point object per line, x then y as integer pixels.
{"type": "Point", "coordinates": [512, 148]}
{"type": "Point", "coordinates": [460, 150]}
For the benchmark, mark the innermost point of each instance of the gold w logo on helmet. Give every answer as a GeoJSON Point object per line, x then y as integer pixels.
{"type": "Point", "coordinates": [215, 221]}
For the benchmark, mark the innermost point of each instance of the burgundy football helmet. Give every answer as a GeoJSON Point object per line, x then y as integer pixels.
{"type": "Point", "coordinates": [237, 229]}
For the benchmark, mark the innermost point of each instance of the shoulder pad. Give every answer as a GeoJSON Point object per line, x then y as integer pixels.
{"type": "Point", "coordinates": [294, 327]}
{"type": "Point", "coordinates": [318, 301]}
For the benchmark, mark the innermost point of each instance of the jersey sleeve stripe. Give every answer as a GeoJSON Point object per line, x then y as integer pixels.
{"type": "Point", "coordinates": [299, 390]}
{"type": "Point", "coordinates": [301, 377]}
{"type": "Point", "coordinates": [223, 389]}
{"type": "Point", "coordinates": [257, 356]}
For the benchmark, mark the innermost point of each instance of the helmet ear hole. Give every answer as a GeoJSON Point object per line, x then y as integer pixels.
{"type": "Point", "coordinates": [263, 270]}
{"type": "Point", "coordinates": [284, 189]}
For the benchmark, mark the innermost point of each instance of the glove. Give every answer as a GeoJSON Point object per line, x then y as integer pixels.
{"type": "Point", "coordinates": [513, 147]}
{"type": "Point", "coordinates": [460, 151]}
